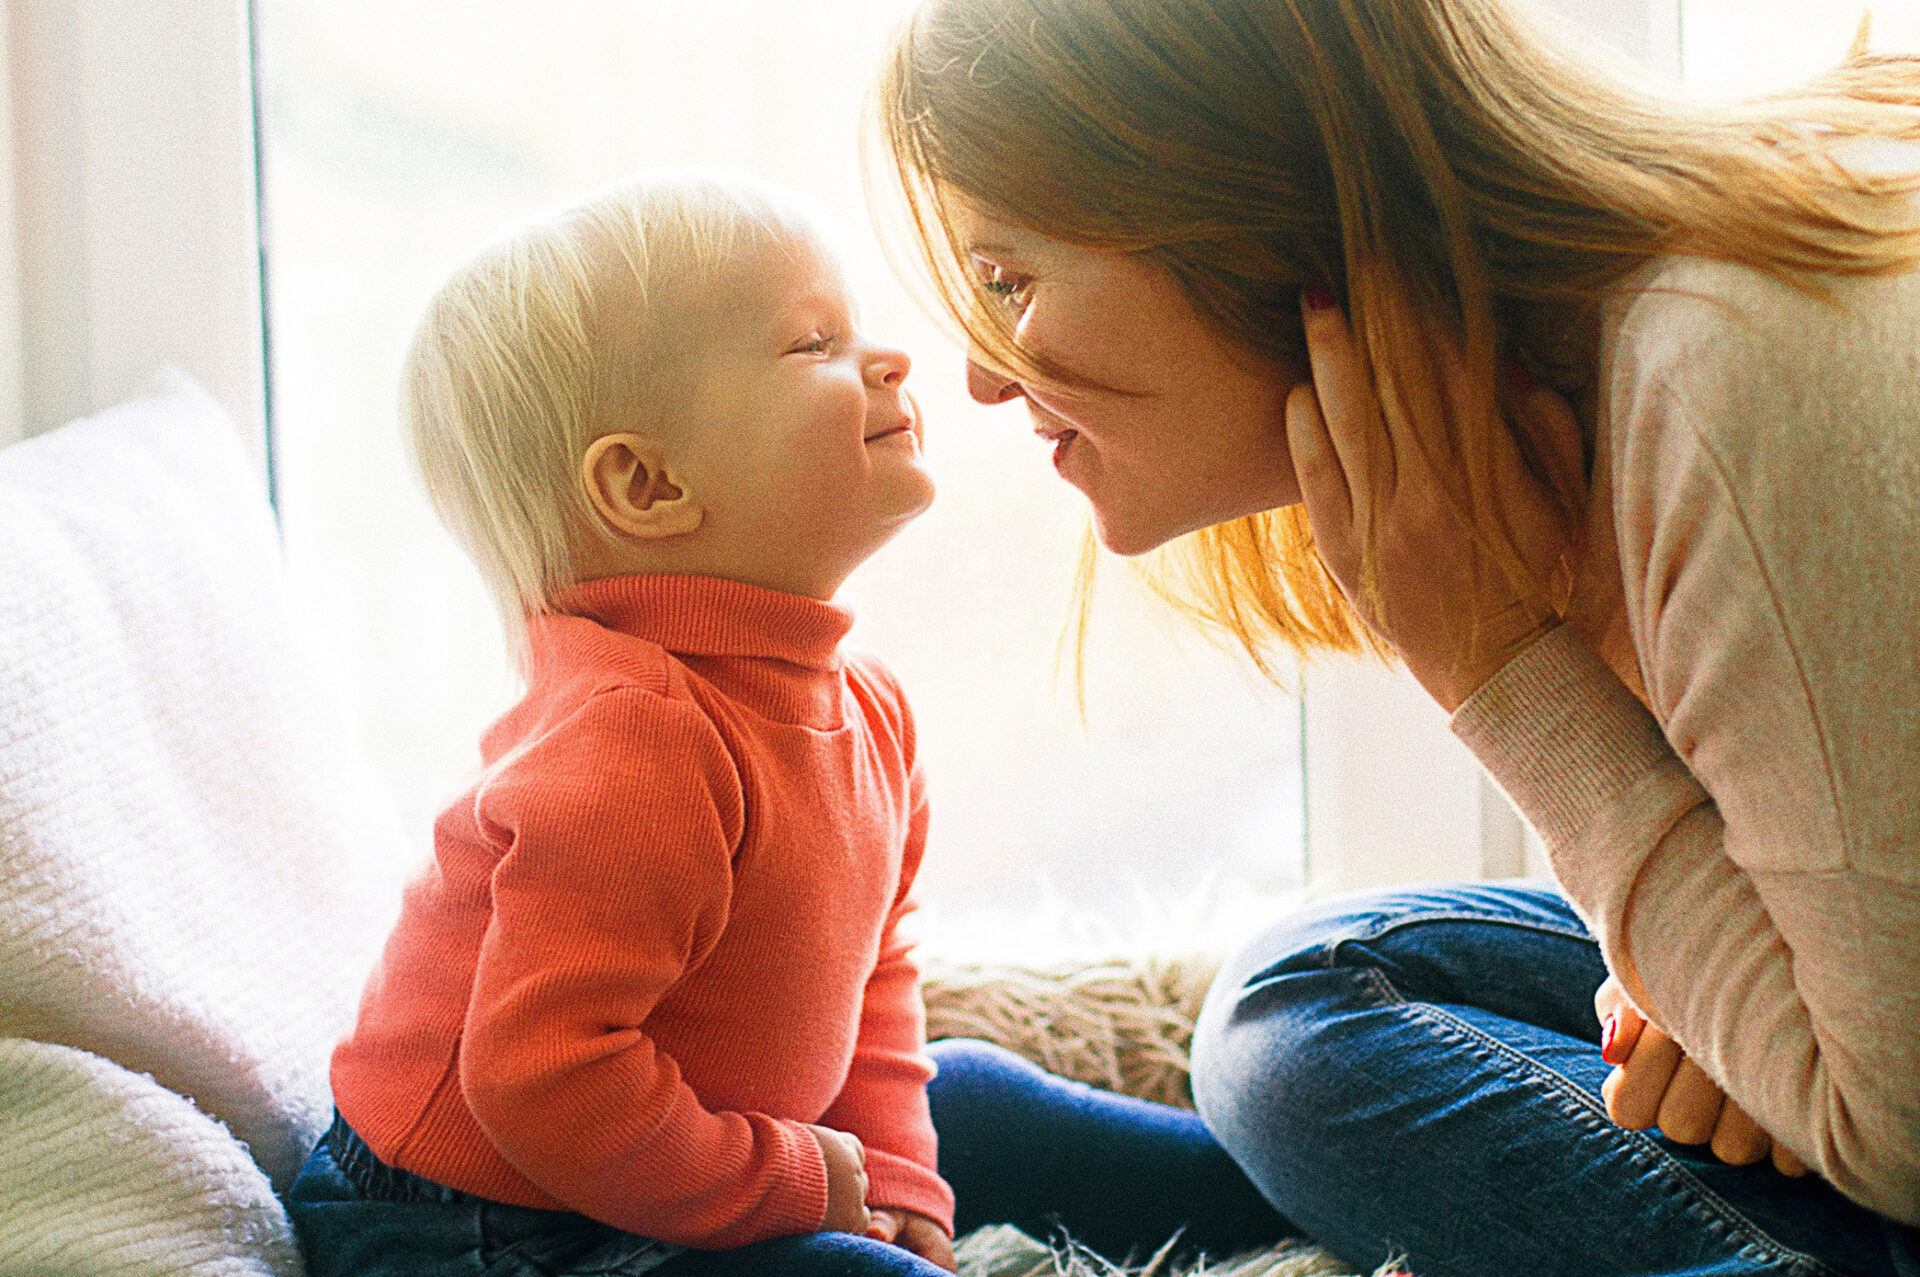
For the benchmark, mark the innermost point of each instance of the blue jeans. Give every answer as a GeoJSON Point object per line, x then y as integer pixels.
{"type": "Point", "coordinates": [1017, 1144]}
{"type": "Point", "coordinates": [1416, 1074]}
{"type": "Point", "coordinates": [356, 1216]}
{"type": "Point", "coordinates": [1121, 1176]}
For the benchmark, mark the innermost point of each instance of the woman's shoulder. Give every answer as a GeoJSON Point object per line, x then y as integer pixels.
{"type": "Point", "coordinates": [1765, 490]}
{"type": "Point", "coordinates": [1684, 315]}
{"type": "Point", "coordinates": [1767, 379]}
{"type": "Point", "coordinates": [1712, 317]}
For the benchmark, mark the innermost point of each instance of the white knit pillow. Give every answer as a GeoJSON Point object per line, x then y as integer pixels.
{"type": "Point", "coordinates": [105, 1171]}
{"type": "Point", "coordinates": [196, 866]}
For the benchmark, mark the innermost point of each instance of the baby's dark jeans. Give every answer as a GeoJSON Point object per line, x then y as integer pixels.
{"type": "Point", "coordinates": [1019, 1146]}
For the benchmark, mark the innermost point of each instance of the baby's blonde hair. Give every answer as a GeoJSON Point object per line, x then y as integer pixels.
{"type": "Point", "coordinates": [514, 368]}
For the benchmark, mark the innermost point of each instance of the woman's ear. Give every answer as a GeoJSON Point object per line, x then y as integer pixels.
{"type": "Point", "coordinates": [634, 487]}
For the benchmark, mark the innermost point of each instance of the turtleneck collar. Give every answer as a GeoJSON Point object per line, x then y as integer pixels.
{"type": "Point", "coordinates": [710, 616]}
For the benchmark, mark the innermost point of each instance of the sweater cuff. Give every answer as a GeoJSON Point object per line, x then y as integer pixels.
{"type": "Point", "coordinates": [1585, 763]}
{"type": "Point", "coordinates": [806, 1176]}
{"type": "Point", "coordinates": [905, 1184]}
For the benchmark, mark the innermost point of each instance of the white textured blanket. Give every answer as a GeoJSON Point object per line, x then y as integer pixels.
{"type": "Point", "coordinates": [105, 1171]}
{"type": "Point", "coordinates": [196, 867]}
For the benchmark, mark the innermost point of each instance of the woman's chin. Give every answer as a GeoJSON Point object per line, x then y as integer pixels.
{"type": "Point", "coordinates": [1131, 537]}
{"type": "Point", "coordinates": [1128, 540]}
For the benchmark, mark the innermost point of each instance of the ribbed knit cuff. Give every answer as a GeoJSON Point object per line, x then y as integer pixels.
{"type": "Point", "coordinates": [1561, 734]}
{"type": "Point", "coordinates": [904, 1184]}
{"type": "Point", "coordinates": [1586, 764]}
{"type": "Point", "coordinates": [805, 1171]}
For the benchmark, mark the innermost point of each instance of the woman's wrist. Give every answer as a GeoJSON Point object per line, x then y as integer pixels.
{"type": "Point", "coordinates": [1456, 685]}
{"type": "Point", "coordinates": [1556, 728]}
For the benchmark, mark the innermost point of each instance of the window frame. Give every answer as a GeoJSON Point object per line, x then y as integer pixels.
{"type": "Point", "coordinates": [131, 194]}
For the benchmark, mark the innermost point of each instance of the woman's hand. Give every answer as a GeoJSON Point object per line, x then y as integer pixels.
{"type": "Point", "coordinates": [1439, 598]}
{"type": "Point", "coordinates": [914, 1232]}
{"type": "Point", "coordinates": [1653, 1081]}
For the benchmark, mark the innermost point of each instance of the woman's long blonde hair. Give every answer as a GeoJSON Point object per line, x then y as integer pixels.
{"type": "Point", "coordinates": [1440, 166]}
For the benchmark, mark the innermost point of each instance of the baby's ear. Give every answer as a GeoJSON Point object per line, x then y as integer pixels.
{"type": "Point", "coordinates": [635, 488]}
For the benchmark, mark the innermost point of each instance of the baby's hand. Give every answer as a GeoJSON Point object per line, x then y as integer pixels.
{"type": "Point", "coordinates": [914, 1232]}
{"type": "Point", "coordinates": [846, 1159]}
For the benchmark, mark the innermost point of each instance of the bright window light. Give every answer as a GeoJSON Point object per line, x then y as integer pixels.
{"type": "Point", "coordinates": [400, 134]}
{"type": "Point", "coordinates": [1739, 46]}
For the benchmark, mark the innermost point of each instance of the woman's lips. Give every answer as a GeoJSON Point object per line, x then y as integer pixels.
{"type": "Point", "coordinates": [1061, 442]}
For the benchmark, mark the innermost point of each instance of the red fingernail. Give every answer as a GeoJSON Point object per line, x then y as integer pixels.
{"type": "Point", "coordinates": [1318, 298]}
{"type": "Point", "coordinates": [1608, 1028]}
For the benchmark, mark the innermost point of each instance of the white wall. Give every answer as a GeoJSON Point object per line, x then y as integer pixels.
{"type": "Point", "coordinates": [127, 181]}
{"type": "Point", "coordinates": [130, 171]}
{"type": "Point", "coordinates": [1392, 796]}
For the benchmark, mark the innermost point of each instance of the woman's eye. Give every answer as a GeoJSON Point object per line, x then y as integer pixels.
{"type": "Point", "coordinates": [1011, 289]}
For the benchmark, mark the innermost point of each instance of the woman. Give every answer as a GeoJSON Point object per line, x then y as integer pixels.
{"type": "Point", "coordinates": [1411, 334]}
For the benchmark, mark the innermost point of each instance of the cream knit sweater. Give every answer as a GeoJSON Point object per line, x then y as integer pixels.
{"type": "Point", "coordinates": [1751, 847]}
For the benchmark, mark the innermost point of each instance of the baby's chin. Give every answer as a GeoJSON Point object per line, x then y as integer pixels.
{"type": "Point", "coordinates": [922, 501]}
{"type": "Point", "coordinates": [913, 504]}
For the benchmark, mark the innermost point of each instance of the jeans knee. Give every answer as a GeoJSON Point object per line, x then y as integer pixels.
{"type": "Point", "coordinates": [974, 1077]}
{"type": "Point", "coordinates": [964, 1064]}
{"type": "Point", "coordinates": [964, 1055]}
{"type": "Point", "coordinates": [1252, 1067]}
{"type": "Point", "coordinates": [1294, 1011]}
{"type": "Point", "coordinates": [1272, 1036]}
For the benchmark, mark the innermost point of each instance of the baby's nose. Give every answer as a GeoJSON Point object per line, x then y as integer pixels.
{"type": "Point", "coordinates": [888, 366]}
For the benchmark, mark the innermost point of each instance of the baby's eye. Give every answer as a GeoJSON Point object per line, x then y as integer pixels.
{"type": "Point", "coordinates": [813, 344]}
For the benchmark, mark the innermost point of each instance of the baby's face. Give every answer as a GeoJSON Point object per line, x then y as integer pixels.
{"type": "Point", "coordinates": [800, 439]}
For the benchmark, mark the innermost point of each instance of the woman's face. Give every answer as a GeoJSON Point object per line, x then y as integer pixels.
{"type": "Point", "coordinates": [1201, 438]}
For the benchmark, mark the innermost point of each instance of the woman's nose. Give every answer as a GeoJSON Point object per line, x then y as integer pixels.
{"type": "Point", "coordinates": [988, 386]}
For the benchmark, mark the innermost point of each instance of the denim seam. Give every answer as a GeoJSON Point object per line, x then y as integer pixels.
{"type": "Point", "coordinates": [1329, 949]}
{"type": "Point", "coordinates": [526, 1250]}
{"type": "Point", "coordinates": [1380, 926]}
{"type": "Point", "coordinates": [1710, 1206]}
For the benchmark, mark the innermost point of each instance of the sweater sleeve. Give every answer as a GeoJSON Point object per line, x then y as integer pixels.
{"type": "Point", "coordinates": [884, 1099]}
{"type": "Point", "coordinates": [1745, 850]}
{"type": "Point", "coordinates": [619, 826]}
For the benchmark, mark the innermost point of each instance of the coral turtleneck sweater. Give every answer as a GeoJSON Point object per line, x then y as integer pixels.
{"type": "Point", "coordinates": [660, 932]}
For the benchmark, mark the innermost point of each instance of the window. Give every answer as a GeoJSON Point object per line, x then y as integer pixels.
{"type": "Point", "coordinates": [1751, 45]}
{"type": "Point", "coordinates": [400, 134]}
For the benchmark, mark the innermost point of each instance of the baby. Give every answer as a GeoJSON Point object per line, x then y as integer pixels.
{"type": "Point", "coordinates": [649, 1008]}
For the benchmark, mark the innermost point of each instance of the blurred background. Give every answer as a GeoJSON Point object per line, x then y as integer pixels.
{"type": "Point", "coordinates": [400, 135]}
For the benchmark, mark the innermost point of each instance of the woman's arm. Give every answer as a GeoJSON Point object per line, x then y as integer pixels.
{"type": "Point", "coordinates": [1795, 991]}
{"type": "Point", "coordinates": [1747, 851]}
{"type": "Point", "coordinates": [1747, 858]}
